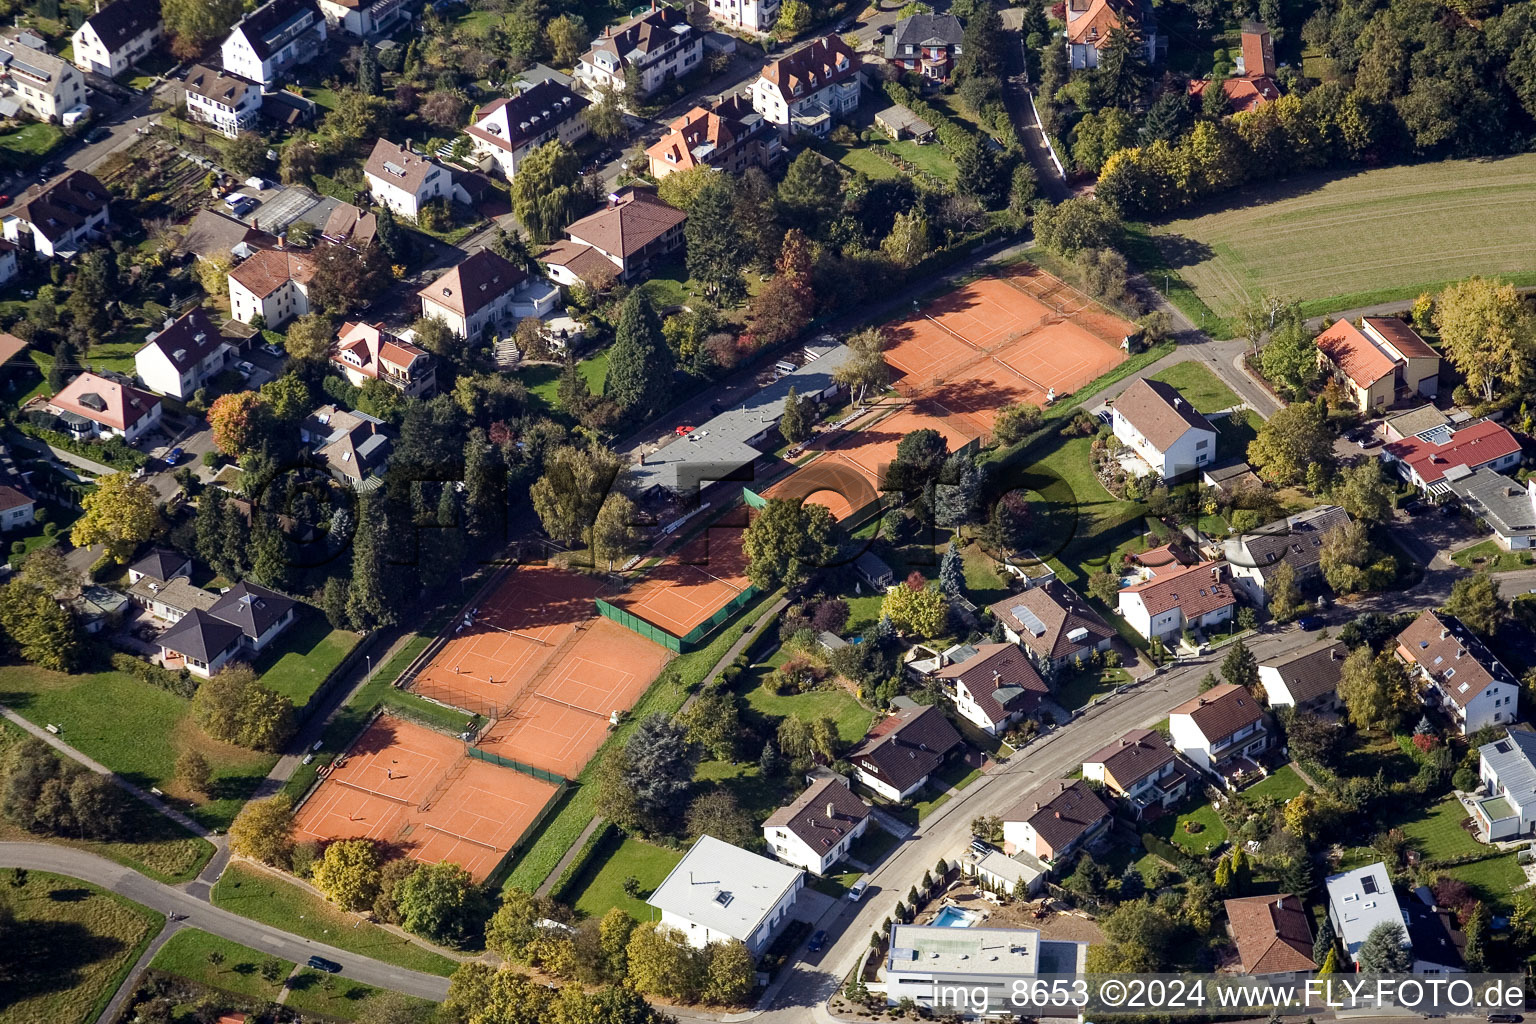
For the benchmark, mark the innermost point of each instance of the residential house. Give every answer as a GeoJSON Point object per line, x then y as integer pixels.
{"type": "Point", "coordinates": [208, 630]}
{"type": "Point", "coordinates": [260, 614]}
{"type": "Point", "coordinates": [654, 47]}
{"type": "Point", "coordinates": [1362, 899]}
{"type": "Point", "coordinates": [926, 44]}
{"type": "Point", "coordinates": [365, 19]}
{"type": "Point", "coordinates": [404, 180]}
{"type": "Point", "coordinates": [899, 123]}
{"type": "Point", "coordinates": [92, 406]}
{"type": "Point", "coordinates": [1381, 362]}
{"type": "Point", "coordinates": [44, 85]}
{"type": "Point", "coordinates": [199, 643]}
{"type": "Point", "coordinates": [817, 829]}
{"type": "Point", "coordinates": [169, 598]}
{"type": "Point", "coordinates": [1507, 770]}
{"type": "Point", "coordinates": [227, 103]}
{"type": "Point", "coordinates": [365, 352]}
{"type": "Point", "coordinates": [1142, 769]}
{"type": "Point", "coordinates": [902, 750]}
{"type": "Point", "coordinates": [747, 15]}
{"type": "Point", "coordinates": [1506, 506]}
{"type": "Point", "coordinates": [804, 92]}
{"type": "Point", "coordinates": [996, 870]}
{"type": "Point", "coordinates": [1231, 477]}
{"type": "Point", "coordinates": [8, 264]}
{"type": "Point", "coordinates": [1458, 673]}
{"type": "Point", "coordinates": [61, 217]}
{"type": "Point", "coordinates": [995, 688]}
{"type": "Point", "coordinates": [484, 292]}
{"type": "Point", "coordinates": [117, 36]}
{"type": "Point", "coordinates": [273, 284]}
{"type": "Point", "coordinates": [1162, 427]}
{"type": "Point", "coordinates": [352, 445]}
{"type": "Point", "coordinates": [1403, 425]}
{"type": "Point", "coordinates": [18, 509]}
{"type": "Point", "coordinates": [1091, 22]}
{"type": "Point", "coordinates": [184, 356]}
{"type": "Point", "coordinates": [719, 892]}
{"type": "Point", "coordinates": [1223, 731]}
{"type": "Point", "coordinates": [1273, 935]}
{"type": "Point", "coordinates": [1296, 541]}
{"type": "Point", "coordinates": [273, 38]}
{"type": "Point", "coordinates": [1054, 821]}
{"type": "Point", "coordinates": [1194, 598]}
{"type": "Point", "coordinates": [729, 136]}
{"type": "Point", "coordinates": [215, 236]}
{"type": "Point", "coordinates": [506, 130]}
{"type": "Point", "coordinates": [1253, 85]}
{"type": "Point", "coordinates": [160, 564]}
{"type": "Point", "coordinates": [1307, 680]}
{"type": "Point", "coordinates": [635, 230]}
{"type": "Point", "coordinates": [347, 225]}
{"type": "Point", "coordinates": [1425, 458]}
{"type": "Point", "coordinates": [975, 972]}
{"type": "Point", "coordinates": [1054, 625]}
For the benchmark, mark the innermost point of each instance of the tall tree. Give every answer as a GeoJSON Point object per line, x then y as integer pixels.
{"type": "Point", "coordinates": [1240, 667]}
{"type": "Point", "coordinates": [575, 484]}
{"type": "Point", "coordinates": [1475, 600]}
{"type": "Point", "coordinates": [1488, 332]}
{"type": "Point", "coordinates": [1122, 74]}
{"type": "Point", "coordinates": [441, 902]}
{"type": "Point", "coordinates": [659, 767]}
{"type": "Point", "coordinates": [787, 541]}
{"type": "Point", "coordinates": [1283, 595]}
{"type": "Point", "coordinates": [348, 873]}
{"type": "Point", "coordinates": [119, 514]}
{"type": "Point", "coordinates": [1386, 950]}
{"type": "Point", "coordinates": [795, 423]}
{"type": "Point", "coordinates": [981, 49]}
{"type": "Point", "coordinates": [811, 193]}
{"type": "Point", "coordinates": [240, 421]}
{"type": "Point", "coordinates": [369, 81]}
{"type": "Point", "coordinates": [639, 364]}
{"type": "Point", "coordinates": [716, 248]}
{"type": "Point", "coordinates": [193, 24]}
{"type": "Point", "coordinates": [547, 193]}
{"type": "Point", "coordinates": [368, 604]}
{"type": "Point", "coordinates": [263, 830]}
{"type": "Point", "coordinates": [1295, 438]}
{"type": "Point", "coordinates": [1362, 490]}
{"type": "Point", "coordinates": [866, 371]}
{"type": "Point", "coordinates": [232, 705]}
{"type": "Point", "coordinates": [1375, 689]}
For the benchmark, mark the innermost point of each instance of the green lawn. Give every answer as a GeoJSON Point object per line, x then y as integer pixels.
{"type": "Point", "coordinates": [297, 662]}
{"type": "Point", "coordinates": [264, 897]}
{"type": "Point", "coordinates": [668, 286]}
{"type": "Point", "coordinates": [873, 846]}
{"type": "Point", "coordinates": [1204, 390]}
{"type": "Point", "coordinates": [602, 883]}
{"type": "Point", "coordinates": [135, 729]}
{"type": "Point", "coordinates": [1437, 834]}
{"type": "Point", "coordinates": [853, 719]}
{"type": "Point", "coordinates": [1080, 688]}
{"type": "Point", "coordinates": [1492, 558]}
{"type": "Point", "coordinates": [758, 796]}
{"type": "Point", "coordinates": [1171, 828]}
{"type": "Point", "coordinates": [1282, 784]}
{"type": "Point", "coordinates": [69, 945]}
{"type": "Point", "coordinates": [983, 584]}
{"type": "Point", "coordinates": [240, 968]}
{"type": "Point", "coordinates": [864, 157]}
{"type": "Point", "coordinates": [1078, 515]}
{"type": "Point", "coordinates": [27, 146]}
{"type": "Point", "coordinates": [1413, 228]}
{"type": "Point", "coordinates": [312, 991]}
{"type": "Point", "coordinates": [1234, 433]}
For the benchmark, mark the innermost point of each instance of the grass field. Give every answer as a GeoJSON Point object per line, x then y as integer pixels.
{"type": "Point", "coordinates": [602, 886]}
{"type": "Point", "coordinates": [68, 947]}
{"type": "Point", "coordinates": [311, 991]}
{"type": "Point", "coordinates": [1283, 784]}
{"type": "Point", "coordinates": [1437, 834]}
{"type": "Point", "coordinates": [266, 898]}
{"type": "Point", "coordinates": [1204, 390]}
{"type": "Point", "coordinates": [1490, 557]}
{"type": "Point", "coordinates": [240, 969]}
{"type": "Point", "coordinates": [1376, 236]}
{"type": "Point", "coordinates": [298, 661]}
{"type": "Point", "coordinates": [831, 702]}
{"type": "Point", "coordinates": [1171, 827]}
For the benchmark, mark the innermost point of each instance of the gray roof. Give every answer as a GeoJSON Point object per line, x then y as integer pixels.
{"type": "Point", "coordinates": [923, 30]}
{"type": "Point", "coordinates": [1296, 539]}
{"type": "Point", "coordinates": [1503, 503]}
{"type": "Point", "coordinates": [200, 636]}
{"type": "Point", "coordinates": [719, 446]}
{"type": "Point", "coordinates": [1359, 900]}
{"type": "Point", "coordinates": [901, 118]}
{"type": "Point", "coordinates": [252, 608]}
{"type": "Point", "coordinates": [162, 564]}
{"type": "Point", "coordinates": [1513, 760]}
{"type": "Point", "coordinates": [1414, 421]}
{"type": "Point", "coordinates": [177, 593]}
{"type": "Point", "coordinates": [978, 952]}
{"type": "Point", "coordinates": [873, 566]}
{"type": "Point", "coordinates": [724, 888]}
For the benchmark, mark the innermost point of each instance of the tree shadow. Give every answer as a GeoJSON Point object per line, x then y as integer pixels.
{"type": "Point", "coordinates": [45, 957]}
{"type": "Point", "coordinates": [69, 895]}
{"type": "Point", "coordinates": [1180, 251]}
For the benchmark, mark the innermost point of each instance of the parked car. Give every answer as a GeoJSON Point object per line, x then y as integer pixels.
{"type": "Point", "coordinates": [818, 941]}
{"type": "Point", "coordinates": [320, 963]}
{"type": "Point", "coordinates": [1309, 622]}
{"type": "Point", "coordinates": [246, 367]}
{"type": "Point", "coordinates": [274, 350]}
{"type": "Point", "coordinates": [98, 133]}
{"type": "Point", "coordinates": [173, 456]}
{"type": "Point", "coordinates": [856, 891]}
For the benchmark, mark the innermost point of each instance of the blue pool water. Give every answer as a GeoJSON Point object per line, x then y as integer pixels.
{"type": "Point", "coordinates": [954, 917]}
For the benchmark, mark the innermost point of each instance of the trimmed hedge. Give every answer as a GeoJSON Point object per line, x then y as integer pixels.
{"type": "Point", "coordinates": [180, 683]}
{"type": "Point", "coordinates": [597, 842]}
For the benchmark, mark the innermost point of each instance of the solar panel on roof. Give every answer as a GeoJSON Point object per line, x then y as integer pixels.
{"type": "Point", "coordinates": [1028, 619]}
{"type": "Point", "coordinates": [1435, 435]}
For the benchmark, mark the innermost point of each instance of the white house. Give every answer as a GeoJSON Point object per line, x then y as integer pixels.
{"type": "Point", "coordinates": [654, 47]}
{"type": "Point", "coordinates": [1430, 458]}
{"type": "Point", "coordinates": [806, 91]}
{"type": "Point", "coordinates": [117, 36]}
{"type": "Point", "coordinates": [1458, 673]}
{"type": "Point", "coordinates": [1054, 821]}
{"type": "Point", "coordinates": [747, 15]}
{"type": "Point", "coordinates": [199, 643]}
{"type": "Point", "coordinates": [719, 892]}
{"type": "Point", "coordinates": [365, 18]}
{"type": "Point", "coordinates": [32, 79]}
{"type": "Point", "coordinates": [816, 830]}
{"type": "Point", "coordinates": [225, 102]}
{"type": "Point", "coordinates": [1054, 625]}
{"type": "Point", "coordinates": [995, 688]}
{"type": "Point", "coordinates": [1090, 23]}
{"type": "Point", "coordinates": [1142, 769]}
{"type": "Point", "coordinates": [1223, 730]}
{"type": "Point", "coordinates": [976, 973]}
{"type": "Point", "coordinates": [1162, 428]}
{"type": "Point", "coordinates": [365, 352]}
{"type": "Point", "coordinates": [1363, 899]}
{"type": "Point", "coordinates": [1507, 506]}
{"type": "Point", "coordinates": [18, 510]}
{"type": "Point", "coordinates": [272, 284]}
{"type": "Point", "coordinates": [902, 750]}
{"type": "Point", "coordinates": [1254, 557]}
{"type": "Point", "coordinates": [60, 218]}
{"type": "Point", "coordinates": [506, 130]}
{"type": "Point", "coordinates": [405, 181]}
{"type": "Point", "coordinates": [273, 38]}
{"type": "Point", "coordinates": [1197, 597]}
{"type": "Point", "coordinates": [1307, 680]}
{"type": "Point", "coordinates": [486, 291]}
{"type": "Point", "coordinates": [1507, 768]}
{"type": "Point", "coordinates": [8, 265]}
{"type": "Point", "coordinates": [93, 406]}
{"type": "Point", "coordinates": [160, 564]}
{"type": "Point", "coordinates": [184, 356]}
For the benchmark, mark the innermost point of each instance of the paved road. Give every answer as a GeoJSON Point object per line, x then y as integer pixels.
{"type": "Point", "coordinates": [169, 900]}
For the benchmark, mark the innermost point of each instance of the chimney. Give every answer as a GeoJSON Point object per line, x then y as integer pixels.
{"type": "Point", "coordinates": [1258, 51]}
{"type": "Point", "coordinates": [1037, 807]}
{"type": "Point", "coordinates": [831, 811]}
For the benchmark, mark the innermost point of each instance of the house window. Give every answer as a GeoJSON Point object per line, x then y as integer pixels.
{"type": "Point", "coordinates": [1201, 444]}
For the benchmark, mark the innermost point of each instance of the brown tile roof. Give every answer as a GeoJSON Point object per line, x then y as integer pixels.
{"type": "Point", "coordinates": [347, 225]}
{"type": "Point", "coordinates": [269, 269]}
{"type": "Point", "coordinates": [813, 67]}
{"type": "Point", "coordinates": [1102, 18]}
{"type": "Point", "coordinates": [1450, 655]}
{"type": "Point", "coordinates": [907, 745]}
{"type": "Point", "coordinates": [625, 227]}
{"type": "Point", "coordinates": [1401, 337]}
{"type": "Point", "coordinates": [219, 85]}
{"type": "Point", "coordinates": [1221, 710]}
{"type": "Point", "coordinates": [1313, 672]}
{"type": "Point", "coordinates": [399, 166]}
{"type": "Point", "coordinates": [1000, 679]}
{"type": "Point", "coordinates": [1272, 934]}
{"type": "Point", "coordinates": [1133, 757]}
{"type": "Point", "coordinates": [10, 347]}
{"type": "Point", "coordinates": [11, 498]}
{"type": "Point", "coordinates": [1159, 413]}
{"type": "Point", "coordinates": [580, 259]}
{"type": "Point", "coordinates": [644, 32]}
{"type": "Point", "coordinates": [1356, 356]}
{"type": "Point", "coordinates": [105, 401]}
{"type": "Point", "coordinates": [64, 204]}
{"type": "Point", "coordinates": [1059, 609]}
{"type": "Point", "coordinates": [1192, 589]}
{"type": "Point", "coordinates": [189, 340]}
{"type": "Point", "coordinates": [1061, 811]}
{"type": "Point", "coordinates": [808, 818]}
{"type": "Point", "coordinates": [476, 282]}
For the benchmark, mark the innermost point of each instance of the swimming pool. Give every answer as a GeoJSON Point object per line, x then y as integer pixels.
{"type": "Point", "coordinates": [954, 917]}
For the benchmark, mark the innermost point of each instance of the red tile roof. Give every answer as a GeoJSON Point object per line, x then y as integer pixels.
{"type": "Point", "coordinates": [1357, 357]}
{"type": "Point", "coordinates": [1000, 679]}
{"type": "Point", "coordinates": [813, 67]}
{"type": "Point", "coordinates": [267, 270]}
{"type": "Point", "coordinates": [1243, 93]}
{"type": "Point", "coordinates": [1472, 446]}
{"type": "Point", "coordinates": [105, 401]}
{"type": "Point", "coordinates": [1272, 934]}
{"type": "Point", "coordinates": [1221, 710]}
{"type": "Point", "coordinates": [372, 344]}
{"type": "Point", "coordinates": [1102, 17]}
{"type": "Point", "coordinates": [1191, 589]}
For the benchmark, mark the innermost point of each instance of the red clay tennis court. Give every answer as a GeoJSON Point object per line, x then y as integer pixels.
{"type": "Point", "coordinates": [559, 723]}
{"type": "Point", "coordinates": [691, 584]}
{"type": "Point", "coordinates": [417, 790]}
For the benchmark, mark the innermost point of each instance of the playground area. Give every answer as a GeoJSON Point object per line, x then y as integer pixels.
{"type": "Point", "coordinates": [692, 584]}
{"type": "Point", "coordinates": [419, 792]}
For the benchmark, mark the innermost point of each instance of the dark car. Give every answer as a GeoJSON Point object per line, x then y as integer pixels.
{"type": "Point", "coordinates": [1414, 507]}
{"type": "Point", "coordinates": [1309, 622]}
{"type": "Point", "coordinates": [818, 941]}
{"type": "Point", "coordinates": [1504, 1018]}
{"type": "Point", "coordinates": [99, 133]}
{"type": "Point", "coordinates": [320, 963]}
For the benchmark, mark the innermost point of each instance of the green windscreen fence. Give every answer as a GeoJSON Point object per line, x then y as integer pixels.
{"type": "Point", "coordinates": [696, 635]}
{"type": "Point", "coordinates": [541, 774]}
{"type": "Point", "coordinates": [752, 498]}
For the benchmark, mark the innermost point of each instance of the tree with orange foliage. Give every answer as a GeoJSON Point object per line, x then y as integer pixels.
{"type": "Point", "coordinates": [237, 421]}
